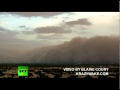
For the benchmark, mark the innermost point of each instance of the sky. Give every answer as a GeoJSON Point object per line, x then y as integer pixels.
{"type": "Point", "coordinates": [51, 28]}
{"type": "Point", "coordinates": [30, 30]}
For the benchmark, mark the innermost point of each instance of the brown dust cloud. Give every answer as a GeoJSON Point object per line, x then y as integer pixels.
{"type": "Point", "coordinates": [93, 50]}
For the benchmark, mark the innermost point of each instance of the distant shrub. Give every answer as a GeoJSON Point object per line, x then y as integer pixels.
{"type": "Point", "coordinates": [102, 76]}
{"type": "Point", "coordinates": [57, 76]}
{"type": "Point", "coordinates": [88, 76]}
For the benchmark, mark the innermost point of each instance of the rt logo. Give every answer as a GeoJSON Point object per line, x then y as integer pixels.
{"type": "Point", "coordinates": [22, 70]}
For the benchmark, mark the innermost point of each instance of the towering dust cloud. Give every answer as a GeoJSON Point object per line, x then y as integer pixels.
{"type": "Point", "coordinates": [59, 37]}
{"type": "Point", "coordinates": [94, 50]}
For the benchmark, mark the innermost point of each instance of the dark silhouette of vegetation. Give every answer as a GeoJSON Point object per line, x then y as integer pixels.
{"type": "Point", "coordinates": [42, 75]}
{"type": "Point", "coordinates": [57, 76]}
{"type": "Point", "coordinates": [88, 76]}
{"type": "Point", "coordinates": [101, 76]}
{"type": "Point", "coordinates": [30, 74]}
{"type": "Point", "coordinates": [72, 76]}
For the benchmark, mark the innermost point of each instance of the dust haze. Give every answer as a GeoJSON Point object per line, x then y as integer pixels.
{"type": "Point", "coordinates": [94, 50]}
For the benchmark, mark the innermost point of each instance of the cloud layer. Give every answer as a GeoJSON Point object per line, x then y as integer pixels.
{"type": "Point", "coordinates": [34, 14]}
{"type": "Point", "coordinates": [51, 29]}
{"type": "Point", "coordinates": [83, 21]}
